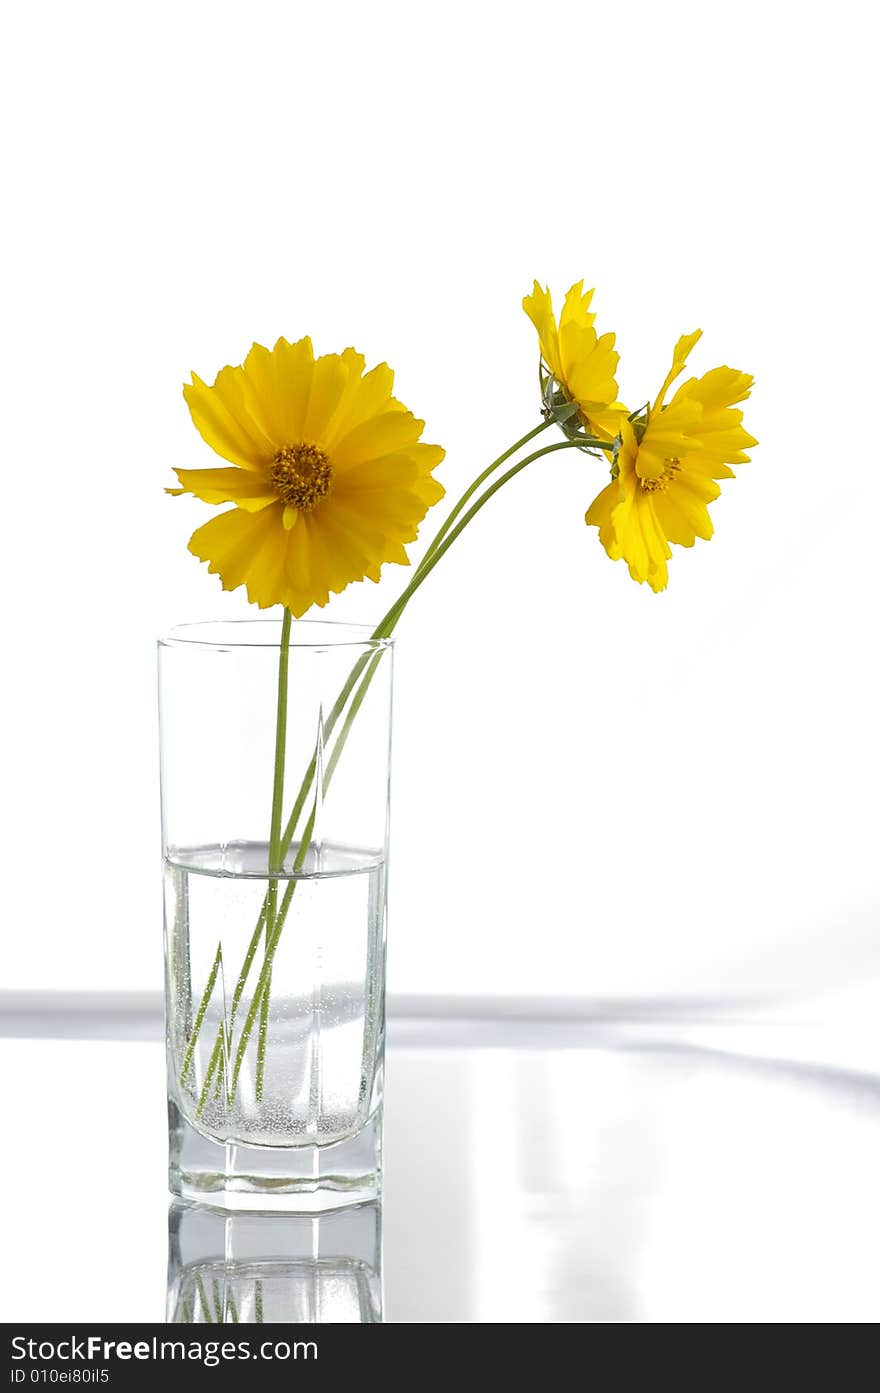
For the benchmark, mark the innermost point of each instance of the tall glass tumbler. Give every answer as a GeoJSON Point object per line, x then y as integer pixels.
{"type": "Point", "coordinates": [275, 759]}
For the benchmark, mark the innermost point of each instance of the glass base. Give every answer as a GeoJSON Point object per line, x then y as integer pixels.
{"type": "Point", "coordinates": [268, 1179]}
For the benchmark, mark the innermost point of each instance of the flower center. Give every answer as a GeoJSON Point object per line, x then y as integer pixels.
{"type": "Point", "coordinates": [670, 469]}
{"type": "Point", "coordinates": [301, 475]}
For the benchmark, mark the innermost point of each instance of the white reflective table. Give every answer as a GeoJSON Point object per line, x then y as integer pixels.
{"type": "Point", "coordinates": [535, 1172]}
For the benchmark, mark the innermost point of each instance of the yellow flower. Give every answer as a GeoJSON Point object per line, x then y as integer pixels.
{"type": "Point", "coordinates": [329, 478]}
{"type": "Point", "coordinates": [582, 364]}
{"type": "Point", "coordinates": [666, 471]}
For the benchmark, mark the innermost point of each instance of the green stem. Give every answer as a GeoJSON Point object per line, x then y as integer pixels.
{"type": "Point", "coordinates": [204, 1299]}
{"type": "Point", "coordinates": [355, 707]}
{"type": "Point", "coordinates": [266, 970]}
{"type": "Point", "coordinates": [263, 1035]}
{"type": "Point", "coordinates": [478, 482]}
{"type": "Point", "coordinates": [431, 561]}
{"type": "Point", "coordinates": [200, 1014]}
{"type": "Point", "coordinates": [329, 726]}
{"type": "Point", "coordinates": [213, 1065]}
{"type": "Point", "coordinates": [236, 1001]}
{"type": "Point", "coordinates": [217, 1052]}
{"type": "Point", "coordinates": [276, 860]}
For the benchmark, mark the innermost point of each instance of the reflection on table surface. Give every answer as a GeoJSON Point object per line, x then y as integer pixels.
{"type": "Point", "coordinates": [592, 1175]}
{"type": "Point", "coordinates": [270, 1269]}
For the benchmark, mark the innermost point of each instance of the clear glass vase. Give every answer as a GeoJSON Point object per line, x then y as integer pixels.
{"type": "Point", "coordinates": [275, 760]}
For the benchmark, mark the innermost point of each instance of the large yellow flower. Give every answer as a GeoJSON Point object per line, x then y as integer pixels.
{"type": "Point", "coordinates": [582, 364]}
{"type": "Point", "coordinates": [329, 477]}
{"type": "Point", "coordinates": [666, 470]}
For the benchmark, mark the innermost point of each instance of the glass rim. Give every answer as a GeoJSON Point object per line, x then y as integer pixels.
{"type": "Point", "coordinates": [223, 634]}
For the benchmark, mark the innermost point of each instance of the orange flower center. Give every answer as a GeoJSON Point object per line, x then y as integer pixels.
{"type": "Point", "coordinates": [301, 474]}
{"type": "Point", "coordinates": [670, 469]}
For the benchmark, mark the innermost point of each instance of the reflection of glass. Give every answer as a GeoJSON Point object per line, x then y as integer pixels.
{"type": "Point", "coordinates": [274, 1268]}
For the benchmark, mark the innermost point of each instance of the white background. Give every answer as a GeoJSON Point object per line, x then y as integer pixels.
{"type": "Point", "coordinates": [598, 791]}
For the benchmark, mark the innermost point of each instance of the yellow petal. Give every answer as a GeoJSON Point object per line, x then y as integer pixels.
{"type": "Point", "coordinates": [576, 309]}
{"type": "Point", "coordinates": [668, 435]}
{"type": "Point", "coordinates": [720, 387]}
{"type": "Point", "coordinates": [428, 489]}
{"type": "Point", "coordinates": [395, 552]}
{"type": "Point", "coordinates": [364, 398]}
{"type": "Point", "coordinates": [589, 365]}
{"type": "Point", "coordinates": [278, 386]}
{"type": "Point", "coordinates": [305, 569]}
{"type": "Point", "coordinates": [539, 307]}
{"type": "Point", "coordinates": [642, 543]}
{"type": "Point", "coordinates": [244, 549]}
{"type": "Point", "coordinates": [659, 578]}
{"type": "Point", "coordinates": [388, 471]}
{"type": "Point", "coordinates": [347, 544]}
{"type": "Point", "coordinates": [328, 385]}
{"type": "Point", "coordinates": [674, 522]}
{"type": "Point", "coordinates": [353, 365]}
{"type": "Point", "coordinates": [221, 416]}
{"type": "Point", "coordinates": [294, 372]}
{"type": "Point", "coordinates": [606, 422]}
{"type": "Point", "coordinates": [600, 514]}
{"type": "Point", "coordinates": [681, 508]}
{"type": "Point", "coordinates": [717, 436]}
{"type": "Point", "coordinates": [702, 462]}
{"type": "Point", "coordinates": [240, 486]}
{"type": "Point", "coordinates": [375, 438]}
{"type": "Point", "coordinates": [426, 456]}
{"type": "Point", "coordinates": [679, 358]}
{"type": "Point", "coordinates": [380, 517]}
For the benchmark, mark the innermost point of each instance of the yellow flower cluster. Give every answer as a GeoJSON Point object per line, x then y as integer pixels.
{"type": "Point", "coordinates": [329, 478]}
{"type": "Point", "coordinates": [665, 469]}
